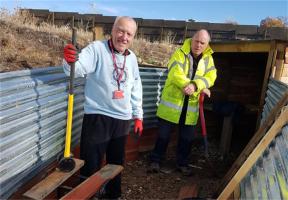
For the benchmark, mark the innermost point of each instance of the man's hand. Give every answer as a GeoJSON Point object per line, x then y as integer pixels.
{"type": "Point", "coordinates": [138, 126]}
{"type": "Point", "coordinates": [206, 91]}
{"type": "Point", "coordinates": [70, 53]}
{"type": "Point", "coordinates": [189, 89]}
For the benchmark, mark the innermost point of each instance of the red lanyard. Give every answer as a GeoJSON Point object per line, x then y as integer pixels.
{"type": "Point", "coordinates": [119, 74]}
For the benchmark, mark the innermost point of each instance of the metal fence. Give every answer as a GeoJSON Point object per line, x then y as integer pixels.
{"type": "Point", "coordinates": [268, 178]}
{"type": "Point", "coordinates": [33, 111]}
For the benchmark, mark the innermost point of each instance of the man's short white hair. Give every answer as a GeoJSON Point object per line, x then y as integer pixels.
{"type": "Point", "coordinates": [126, 18]}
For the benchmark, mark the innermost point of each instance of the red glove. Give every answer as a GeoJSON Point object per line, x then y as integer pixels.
{"type": "Point", "coordinates": [138, 126]}
{"type": "Point", "coordinates": [70, 53]}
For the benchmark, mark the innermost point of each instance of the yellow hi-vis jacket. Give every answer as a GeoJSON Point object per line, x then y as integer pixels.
{"type": "Point", "coordinates": [180, 67]}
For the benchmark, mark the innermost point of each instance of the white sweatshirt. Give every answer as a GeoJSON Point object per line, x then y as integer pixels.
{"type": "Point", "coordinates": [96, 64]}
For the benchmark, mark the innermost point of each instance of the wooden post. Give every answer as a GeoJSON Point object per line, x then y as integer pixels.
{"type": "Point", "coordinates": [98, 33]}
{"type": "Point", "coordinates": [139, 29]}
{"type": "Point", "coordinates": [279, 65]}
{"type": "Point", "coordinates": [162, 34]}
{"type": "Point", "coordinates": [53, 18]}
{"type": "Point", "coordinates": [279, 69]}
{"type": "Point", "coordinates": [185, 32]}
{"type": "Point", "coordinates": [73, 24]}
{"type": "Point", "coordinates": [269, 64]}
{"type": "Point", "coordinates": [94, 33]}
{"type": "Point", "coordinates": [286, 55]}
{"type": "Point", "coordinates": [93, 26]}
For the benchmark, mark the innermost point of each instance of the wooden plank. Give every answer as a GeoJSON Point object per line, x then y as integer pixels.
{"type": "Point", "coordinates": [286, 55]}
{"type": "Point", "coordinates": [188, 192]}
{"type": "Point", "coordinates": [256, 153]}
{"type": "Point", "coordinates": [51, 182]}
{"type": "Point", "coordinates": [279, 69]}
{"type": "Point", "coordinates": [254, 141]}
{"type": "Point", "coordinates": [285, 70]}
{"type": "Point", "coordinates": [91, 185]}
{"type": "Point", "coordinates": [237, 47]}
{"type": "Point", "coordinates": [270, 63]}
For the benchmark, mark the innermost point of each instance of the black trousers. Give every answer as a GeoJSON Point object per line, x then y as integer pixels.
{"type": "Point", "coordinates": [185, 138]}
{"type": "Point", "coordinates": [102, 135]}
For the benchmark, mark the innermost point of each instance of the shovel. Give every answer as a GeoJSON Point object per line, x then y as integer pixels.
{"type": "Point", "coordinates": [202, 119]}
{"type": "Point", "coordinates": [67, 163]}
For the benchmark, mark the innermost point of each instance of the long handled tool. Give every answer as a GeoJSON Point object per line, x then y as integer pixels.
{"type": "Point", "coordinates": [202, 118]}
{"type": "Point", "coordinates": [67, 163]}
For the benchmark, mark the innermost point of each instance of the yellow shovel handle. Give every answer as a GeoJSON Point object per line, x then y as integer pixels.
{"type": "Point", "coordinates": [69, 126]}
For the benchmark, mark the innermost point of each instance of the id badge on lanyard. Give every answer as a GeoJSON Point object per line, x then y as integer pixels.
{"type": "Point", "coordinates": [117, 94]}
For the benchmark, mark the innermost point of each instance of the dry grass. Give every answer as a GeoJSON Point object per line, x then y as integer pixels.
{"type": "Point", "coordinates": [25, 20]}
{"type": "Point", "coordinates": [155, 53]}
{"type": "Point", "coordinates": [27, 43]}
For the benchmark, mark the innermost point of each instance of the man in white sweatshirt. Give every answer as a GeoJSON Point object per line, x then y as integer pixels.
{"type": "Point", "coordinates": [113, 96]}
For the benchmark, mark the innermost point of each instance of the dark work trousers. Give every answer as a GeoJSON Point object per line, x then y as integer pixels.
{"type": "Point", "coordinates": [185, 138]}
{"type": "Point", "coordinates": [102, 134]}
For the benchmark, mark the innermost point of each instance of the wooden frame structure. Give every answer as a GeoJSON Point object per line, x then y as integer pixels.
{"type": "Point", "coordinates": [254, 148]}
{"type": "Point", "coordinates": [274, 48]}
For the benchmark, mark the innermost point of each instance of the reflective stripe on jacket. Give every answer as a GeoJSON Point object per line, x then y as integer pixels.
{"type": "Point", "coordinates": [180, 67]}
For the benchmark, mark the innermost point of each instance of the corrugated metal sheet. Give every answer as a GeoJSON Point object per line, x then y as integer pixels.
{"type": "Point", "coordinates": [268, 178]}
{"type": "Point", "coordinates": [275, 91]}
{"type": "Point", "coordinates": [33, 111]}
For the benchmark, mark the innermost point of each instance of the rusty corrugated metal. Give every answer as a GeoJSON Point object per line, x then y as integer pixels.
{"type": "Point", "coordinates": [268, 178]}
{"type": "Point", "coordinates": [33, 111]}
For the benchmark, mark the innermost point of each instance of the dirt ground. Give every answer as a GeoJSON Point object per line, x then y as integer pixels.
{"type": "Point", "coordinates": [207, 174]}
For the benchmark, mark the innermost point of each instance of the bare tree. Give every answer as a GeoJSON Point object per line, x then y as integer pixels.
{"type": "Point", "coordinates": [231, 21]}
{"type": "Point", "coordinates": [273, 22]}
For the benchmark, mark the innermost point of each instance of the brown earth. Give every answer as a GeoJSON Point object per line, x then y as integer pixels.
{"type": "Point", "coordinates": [28, 46]}
{"type": "Point", "coordinates": [207, 174]}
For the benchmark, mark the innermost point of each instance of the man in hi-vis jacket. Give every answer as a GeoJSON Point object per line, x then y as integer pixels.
{"type": "Point", "coordinates": [190, 70]}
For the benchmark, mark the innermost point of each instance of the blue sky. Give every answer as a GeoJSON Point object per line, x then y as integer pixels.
{"type": "Point", "coordinates": [244, 12]}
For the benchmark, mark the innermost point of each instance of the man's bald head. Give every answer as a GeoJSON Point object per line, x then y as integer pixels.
{"type": "Point", "coordinates": [203, 33]}
{"type": "Point", "coordinates": [200, 41]}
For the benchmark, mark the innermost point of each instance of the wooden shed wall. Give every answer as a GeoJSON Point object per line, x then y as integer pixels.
{"type": "Point", "coordinates": [238, 86]}
{"type": "Point", "coordinates": [239, 77]}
